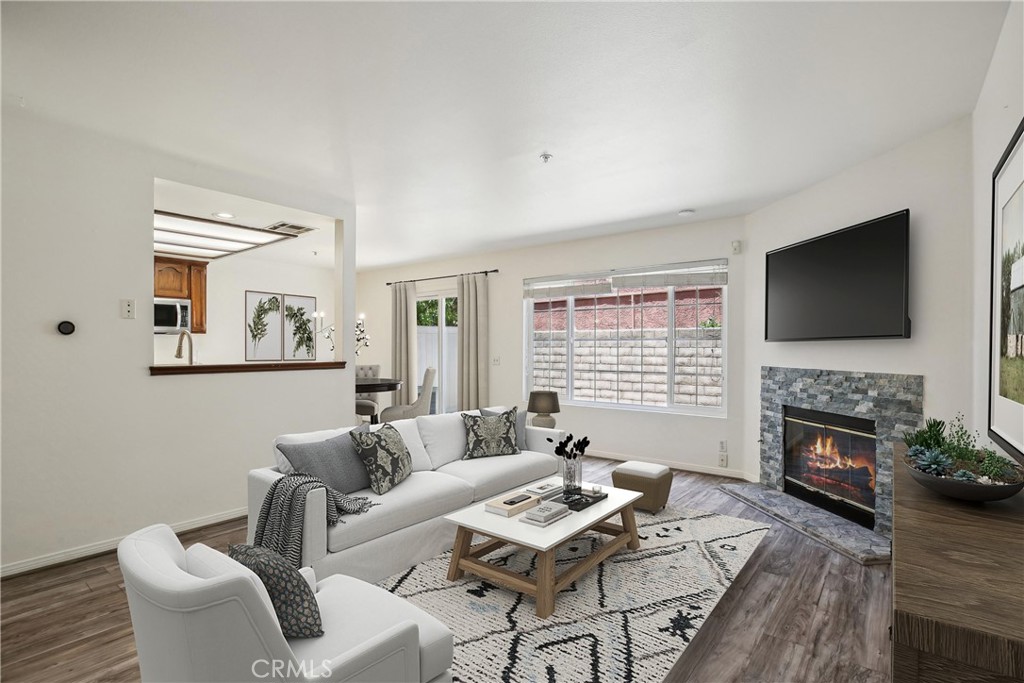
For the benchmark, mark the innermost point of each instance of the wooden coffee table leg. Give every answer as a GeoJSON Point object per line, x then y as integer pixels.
{"type": "Point", "coordinates": [629, 526]}
{"type": "Point", "coordinates": [463, 539]}
{"type": "Point", "coordinates": [545, 583]}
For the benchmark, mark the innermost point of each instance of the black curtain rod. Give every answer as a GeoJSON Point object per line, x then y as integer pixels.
{"type": "Point", "coordinates": [442, 277]}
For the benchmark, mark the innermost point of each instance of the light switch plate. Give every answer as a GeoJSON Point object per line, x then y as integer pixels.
{"type": "Point", "coordinates": [128, 309]}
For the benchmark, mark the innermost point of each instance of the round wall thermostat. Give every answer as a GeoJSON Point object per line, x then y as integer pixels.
{"type": "Point", "coordinates": [65, 327]}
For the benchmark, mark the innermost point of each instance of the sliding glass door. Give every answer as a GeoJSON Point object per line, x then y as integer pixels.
{"type": "Point", "coordinates": [437, 334]}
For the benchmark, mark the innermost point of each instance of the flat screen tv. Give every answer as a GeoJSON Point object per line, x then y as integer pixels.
{"type": "Point", "coordinates": [849, 284]}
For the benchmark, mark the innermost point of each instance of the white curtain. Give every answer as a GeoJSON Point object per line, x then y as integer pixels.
{"type": "Point", "coordinates": [403, 340]}
{"type": "Point", "coordinates": [474, 386]}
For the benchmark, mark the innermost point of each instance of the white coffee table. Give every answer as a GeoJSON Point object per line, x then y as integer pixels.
{"type": "Point", "coordinates": [544, 541]}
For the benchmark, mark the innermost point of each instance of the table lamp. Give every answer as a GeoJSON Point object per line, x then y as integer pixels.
{"type": "Point", "coordinates": [543, 403]}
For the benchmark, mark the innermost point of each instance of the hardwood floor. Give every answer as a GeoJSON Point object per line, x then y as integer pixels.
{"type": "Point", "coordinates": [796, 612]}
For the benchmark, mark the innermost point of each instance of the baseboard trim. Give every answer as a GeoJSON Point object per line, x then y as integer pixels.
{"type": "Point", "coordinates": [100, 547]}
{"type": "Point", "coordinates": [687, 467]}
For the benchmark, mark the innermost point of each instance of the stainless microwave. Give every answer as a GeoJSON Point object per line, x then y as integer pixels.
{"type": "Point", "coordinates": [171, 316]}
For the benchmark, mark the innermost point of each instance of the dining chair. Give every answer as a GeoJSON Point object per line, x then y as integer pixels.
{"type": "Point", "coordinates": [366, 404]}
{"type": "Point", "coordinates": [421, 406]}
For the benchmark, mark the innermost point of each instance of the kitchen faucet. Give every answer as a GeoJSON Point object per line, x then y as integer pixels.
{"type": "Point", "coordinates": [181, 343]}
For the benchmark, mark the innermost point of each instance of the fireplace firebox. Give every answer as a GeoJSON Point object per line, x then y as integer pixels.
{"type": "Point", "coordinates": [829, 460]}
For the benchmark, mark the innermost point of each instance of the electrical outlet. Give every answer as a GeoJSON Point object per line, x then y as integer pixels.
{"type": "Point", "coordinates": [128, 309]}
{"type": "Point", "coordinates": [496, 360]}
{"type": "Point", "coordinates": [723, 459]}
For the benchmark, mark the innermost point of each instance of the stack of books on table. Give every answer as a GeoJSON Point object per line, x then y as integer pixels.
{"type": "Point", "coordinates": [545, 513]}
{"type": "Point", "coordinates": [546, 490]}
{"type": "Point", "coordinates": [511, 504]}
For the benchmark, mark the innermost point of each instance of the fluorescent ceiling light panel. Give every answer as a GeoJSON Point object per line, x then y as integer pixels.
{"type": "Point", "coordinates": [200, 237]}
{"type": "Point", "coordinates": [188, 251]}
{"type": "Point", "coordinates": [189, 240]}
{"type": "Point", "coordinates": [252, 236]}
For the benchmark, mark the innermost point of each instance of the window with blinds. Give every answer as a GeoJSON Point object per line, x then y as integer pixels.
{"type": "Point", "coordinates": [646, 337]}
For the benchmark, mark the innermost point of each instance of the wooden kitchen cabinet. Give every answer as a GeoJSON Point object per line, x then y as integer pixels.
{"type": "Point", "coordinates": [170, 278]}
{"type": "Point", "coordinates": [197, 293]}
{"type": "Point", "coordinates": [181, 279]}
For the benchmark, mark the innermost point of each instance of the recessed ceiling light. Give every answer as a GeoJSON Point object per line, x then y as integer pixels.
{"type": "Point", "coordinates": [224, 215]}
{"type": "Point", "coordinates": [687, 212]}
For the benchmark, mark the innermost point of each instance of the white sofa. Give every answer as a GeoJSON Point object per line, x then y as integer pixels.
{"type": "Point", "coordinates": [407, 526]}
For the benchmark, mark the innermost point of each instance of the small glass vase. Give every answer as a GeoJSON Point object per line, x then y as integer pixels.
{"type": "Point", "coordinates": [572, 476]}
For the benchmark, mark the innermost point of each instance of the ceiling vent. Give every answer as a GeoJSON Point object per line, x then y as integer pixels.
{"type": "Point", "coordinates": [285, 228]}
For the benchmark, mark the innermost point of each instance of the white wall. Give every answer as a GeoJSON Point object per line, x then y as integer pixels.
{"type": "Point", "coordinates": [996, 116]}
{"type": "Point", "coordinates": [94, 447]}
{"type": "Point", "coordinates": [226, 281]}
{"type": "Point", "coordinates": [677, 440]}
{"type": "Point", "coordinates": [931, 177]}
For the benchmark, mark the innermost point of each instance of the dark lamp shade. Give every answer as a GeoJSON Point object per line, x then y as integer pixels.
{"type": "Point", "coordinates": [543, 402]}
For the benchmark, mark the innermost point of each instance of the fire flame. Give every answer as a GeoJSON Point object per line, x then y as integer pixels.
{"type": "Point", "coordinates": [819, 464]}
{"type": "Point", "coordinates": [827, 455]}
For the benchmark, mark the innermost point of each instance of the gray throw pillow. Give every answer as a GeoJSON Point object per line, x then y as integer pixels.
{"type": "Point", "coordinates": [490, 436]}
{"type": "Point", "coordinates": [293, 599]}
{"type": "Point", "coordinates": [335, 461]}
{"type": "Point", "coordinates": [520, 425]}
{"type": "Point", "coordinates": [386, 457]}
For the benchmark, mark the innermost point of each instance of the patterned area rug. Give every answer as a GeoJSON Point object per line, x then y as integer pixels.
{"type": "Point", "coordinates": [628, 619]}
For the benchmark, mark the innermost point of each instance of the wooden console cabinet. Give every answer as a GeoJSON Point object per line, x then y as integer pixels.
{"type": "Point", "coordinates": [958, 586]}
{"type": "Point", "coordinates": [181, 279]}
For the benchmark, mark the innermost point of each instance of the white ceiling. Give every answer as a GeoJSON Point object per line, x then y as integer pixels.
{"type": "Point", "coordinates": [430, 117]}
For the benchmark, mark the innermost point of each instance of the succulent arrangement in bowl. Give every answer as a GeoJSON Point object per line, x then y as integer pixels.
{"type": "Point", "coordinates": [951, 463]}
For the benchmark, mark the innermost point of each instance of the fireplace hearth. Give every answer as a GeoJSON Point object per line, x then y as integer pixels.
{"type": "Point", "coordinates": [829, 461]}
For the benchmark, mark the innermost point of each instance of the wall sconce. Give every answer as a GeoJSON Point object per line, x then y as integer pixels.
{"type": "Point", "coordinates": [322, 328]}
{"type": "Point", "coordinates": [362, 339]}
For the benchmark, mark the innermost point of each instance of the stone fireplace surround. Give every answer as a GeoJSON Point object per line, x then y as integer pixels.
{"type": "Point", "coordinates": [895, 402]}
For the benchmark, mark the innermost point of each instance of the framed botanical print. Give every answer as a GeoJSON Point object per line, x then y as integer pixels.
{"type": "Point", "coordinates": [263, 326]}
{"type": "Point", "coordinates": [1006, 352]}
{"type": "Point", "coordinates": [299, 327]}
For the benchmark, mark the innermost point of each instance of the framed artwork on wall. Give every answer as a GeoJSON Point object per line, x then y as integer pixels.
{"type": "Point", "coordinates": [1006, 324]}
{"type": "Point", "coordinates": [264, 316]}
{"type": "Point", "coordinates": [299, 327]}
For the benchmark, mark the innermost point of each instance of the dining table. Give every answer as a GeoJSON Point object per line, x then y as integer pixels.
{"type": "Point", "coordinates": [374, 385]}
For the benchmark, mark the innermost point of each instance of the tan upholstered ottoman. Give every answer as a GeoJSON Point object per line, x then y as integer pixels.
{"type": "Point", "coordinates": [654, 481]}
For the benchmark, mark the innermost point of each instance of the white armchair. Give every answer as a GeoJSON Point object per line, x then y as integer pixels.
{"type": "Point", "coordinates": [200, 616]}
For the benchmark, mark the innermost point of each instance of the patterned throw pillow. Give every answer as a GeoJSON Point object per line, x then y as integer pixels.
{"type": "Point", "coordinates": [520, 425]}
{"type": "Point", "coordinates": [291, 596]}
{"type": "Point", "coordinates": [487, 436]}
{"type": "Point", "coordinates": [386, 457]}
